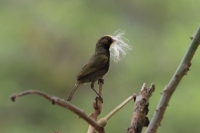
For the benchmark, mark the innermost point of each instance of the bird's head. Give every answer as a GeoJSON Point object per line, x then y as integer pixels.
{"type": "Point", "coordinates": [105, 42]}
{"type": "Point", "coordinates": [115, 45]}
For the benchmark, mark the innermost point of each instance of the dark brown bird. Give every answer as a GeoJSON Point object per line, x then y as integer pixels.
{"type": "Point", "coordinates": [96, 67]}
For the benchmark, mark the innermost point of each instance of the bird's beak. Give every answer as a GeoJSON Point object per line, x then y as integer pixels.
{"type": "Point", "coordinates": [112, 39]}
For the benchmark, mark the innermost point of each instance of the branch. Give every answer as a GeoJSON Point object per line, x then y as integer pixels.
{"type": "Point", "coordinates": [62, 103]}
{"type": "Point", "coordinates": [182, 70]}
{"type": "Point", "coordinates": [139, 119]}
{"type": "Point", "coordinates": [97, 105]}
{"type": "Point", "coordinates": [103, 121]}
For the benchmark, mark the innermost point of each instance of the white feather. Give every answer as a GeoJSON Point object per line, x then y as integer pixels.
{"type": "Point", "coordinates": [119, 48]}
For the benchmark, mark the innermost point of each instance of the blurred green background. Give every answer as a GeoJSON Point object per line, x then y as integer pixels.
{"type": "Point", "coordinates": [44, 44]}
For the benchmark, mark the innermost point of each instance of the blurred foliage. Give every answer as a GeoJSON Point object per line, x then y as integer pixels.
{"type": "Point", "coordinates": [43, 45]}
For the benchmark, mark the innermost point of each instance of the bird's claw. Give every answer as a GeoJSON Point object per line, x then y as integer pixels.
{"type": "Point", "coordinates": [100, 98]}
{"type": "Point", "coordinates": [101, 81]}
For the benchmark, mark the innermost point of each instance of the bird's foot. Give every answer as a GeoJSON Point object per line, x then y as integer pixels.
{"type": "Point", "coordinates": [100, 98]}
{"type": "Point", "coordinates": [101, 81]}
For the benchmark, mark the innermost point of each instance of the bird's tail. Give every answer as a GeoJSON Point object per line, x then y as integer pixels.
{"type": "Point", "coordinates": [72, 92]}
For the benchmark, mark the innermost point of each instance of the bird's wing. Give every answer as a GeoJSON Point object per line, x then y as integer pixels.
{"type": "Point", "coordinates": [95, 63]}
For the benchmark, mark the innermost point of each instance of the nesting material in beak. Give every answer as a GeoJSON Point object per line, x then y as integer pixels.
{"type": "Point", "coordinates": [119, 47]}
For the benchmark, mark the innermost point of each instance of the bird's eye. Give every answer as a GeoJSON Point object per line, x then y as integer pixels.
{"type": "Point", "coordinates": [105, 41]}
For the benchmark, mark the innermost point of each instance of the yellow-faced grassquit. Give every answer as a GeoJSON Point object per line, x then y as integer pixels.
{"type": "Point", "coordinates": [96, 67]}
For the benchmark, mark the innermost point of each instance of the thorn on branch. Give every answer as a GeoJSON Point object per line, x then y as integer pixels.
{"type": "Point", "coordinates": [13, 98]}
{"type": "Point", "coordinates": [53, 102]}
{"type": "Point", "coordinates": [134, 96]}
{"type": "Point", "coordinates": [158, 124]}
{"type": "Point", "coordinates": [187, 68]}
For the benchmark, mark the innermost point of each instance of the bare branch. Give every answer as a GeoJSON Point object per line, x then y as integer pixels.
{"type": "Point", "coordinates": [97, 105]}
{"type": "Point", "coordinates": [62, 103]}
{"type": "Point", "coordinates": [182, 70]}
{"type": "Point", "coordinates": [103, 121]}
{"type": "Point", "coordinates": [139, 119]}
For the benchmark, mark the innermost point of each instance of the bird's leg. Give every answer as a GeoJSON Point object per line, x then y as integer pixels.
{"type": "Point", "coordinates": [92, 86]}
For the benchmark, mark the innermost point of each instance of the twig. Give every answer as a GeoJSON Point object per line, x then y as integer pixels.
{"type": "Point", "coordinates": [182, 70]}
{"type": "Point", "coordinates": [62, 103]}
{"type": "Point", "coordinates": [97, 105]}
{"type": "Point", "coordinates": [139, 119]}
{"type": "Point", "coordinates": [103, 121]}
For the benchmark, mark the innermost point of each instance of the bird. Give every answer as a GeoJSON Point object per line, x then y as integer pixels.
{"type": "Point", "coordinates": [96, 67]}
